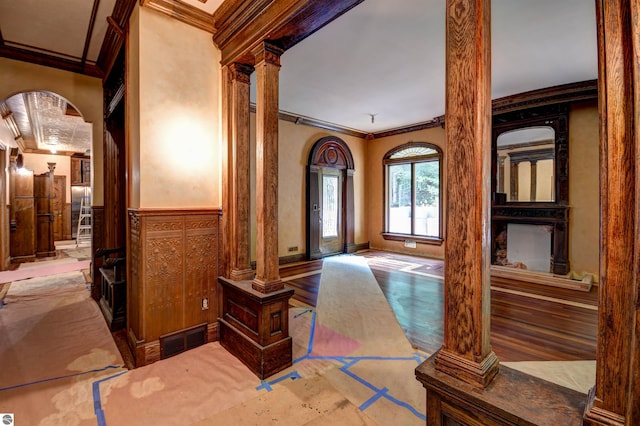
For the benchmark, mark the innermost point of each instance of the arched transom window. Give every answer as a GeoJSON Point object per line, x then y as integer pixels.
{"type": "Point", "coordinates": [412, 192]}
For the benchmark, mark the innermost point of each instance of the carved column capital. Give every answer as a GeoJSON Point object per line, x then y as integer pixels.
{"type": "Point", "coordinates": [240, 72]}
{"type": "Point", "coordinates": [267, 52]}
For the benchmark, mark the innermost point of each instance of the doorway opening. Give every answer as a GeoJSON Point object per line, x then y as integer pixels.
{"type": "Point", "coordinates": [330, 213]}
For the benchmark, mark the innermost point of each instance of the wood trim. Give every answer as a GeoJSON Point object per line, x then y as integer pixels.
{"type": "Point", "coordinates": [568, 93]}
{"type": "Point", "coordinates": [243, 24]}
{"type": "Point", "coordinates": [48, 60]}
{"type": "Point", "coordinates": [183, 12]}
{"type": "Point", "coordinates": [114, 37]}
{"type": "Point", "coordinates": [97, 241]}
{"type": "Point", "coordinates": [420, 240]}
{"type": "Point", "coordinates": [92, 22]}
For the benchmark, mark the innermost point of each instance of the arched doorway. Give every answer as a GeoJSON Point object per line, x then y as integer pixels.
{"type": "Point", "coordinates": [47, 157]}
{"type": "Point", "coordinates": [330, 215]}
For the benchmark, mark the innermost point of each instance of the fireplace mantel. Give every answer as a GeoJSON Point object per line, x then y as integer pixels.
{"type": "Point", "coordinates": [551, 214]}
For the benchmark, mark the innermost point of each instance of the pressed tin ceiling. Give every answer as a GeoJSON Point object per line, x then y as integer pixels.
{"type": "Point", "coordinates": [382, 58]}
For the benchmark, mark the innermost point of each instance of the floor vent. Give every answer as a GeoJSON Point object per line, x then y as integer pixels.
{"type": "Point", "coordinates": [175, 343]}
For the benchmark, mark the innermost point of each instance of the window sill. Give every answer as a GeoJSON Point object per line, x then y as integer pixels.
{"type": "Point", "coordinates": [436, 241]}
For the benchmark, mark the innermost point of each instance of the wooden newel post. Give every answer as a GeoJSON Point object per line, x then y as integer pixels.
{"type": "Point", "coordinates": [466, 352]}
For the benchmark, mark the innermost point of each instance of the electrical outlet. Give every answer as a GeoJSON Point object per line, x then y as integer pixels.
{"type": "Point", "coordinates": [292, 248]}
{"type": "Point", "coordinates": [205, 303]}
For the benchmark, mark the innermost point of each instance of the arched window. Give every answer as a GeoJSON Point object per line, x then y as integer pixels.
{"type": "Point", "coordinates": [413, 176]}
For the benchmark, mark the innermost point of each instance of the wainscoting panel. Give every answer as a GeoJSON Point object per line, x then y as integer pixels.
{"type": "Point", "coordinates": [173, 276]}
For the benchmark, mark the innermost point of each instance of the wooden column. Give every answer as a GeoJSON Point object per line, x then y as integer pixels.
{"type": "Point", "coordinates": [267, 58]}
{"type": "Point", "coordinates": [466, 351]}
{"type": "Point", "coordinates": [236, 188]}
{"type": "Point", "coordinates": [513, 181]}
{"type": "Point", "coordinates": [615, 399]}
{"type": "Point", "coordinates": [533, 184]}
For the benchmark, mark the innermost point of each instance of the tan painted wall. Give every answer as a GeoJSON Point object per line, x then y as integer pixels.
{"type": "Point", "coordinates": [584, 189]}
{"type": "Point", "coordinates": [84, 93]}
{"type": "Point", "coordinates": [376, 150]}
{"type": "Point", "coordinates": [132, 108]}
{"type": "Point", "coordinates": [38, 164]}
{"type": "Point", "coordinates": [295, 143]}
{"type": "Point", "coordinates": [177, 87]}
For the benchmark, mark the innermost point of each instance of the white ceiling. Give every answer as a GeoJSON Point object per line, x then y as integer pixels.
{"type": "Point", "coordinates": [383, 58]}
{"type": "Point", "coordinates": [388, 58]}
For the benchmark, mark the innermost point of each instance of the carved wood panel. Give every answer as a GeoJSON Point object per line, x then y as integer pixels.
{"type": "Point", "coordinates": [173, 258]}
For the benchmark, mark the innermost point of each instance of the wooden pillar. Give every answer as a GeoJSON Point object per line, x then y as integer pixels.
{"type": "Point", "coordinates": [267, 58]}
{"type": "Point", "coordinates": [513, 181]}
{"type": "Point", "coordinates": [466, 351]}
{"type": "Point", "coordinates": [236, 188]}
{"type": "Point", "coordinates": [533, 181]}
{"type": "Point", "coordinates": [615, 399]}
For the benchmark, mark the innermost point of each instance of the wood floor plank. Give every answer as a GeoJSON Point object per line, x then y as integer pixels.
{"type": "Point", "coordinates": [529, 322]}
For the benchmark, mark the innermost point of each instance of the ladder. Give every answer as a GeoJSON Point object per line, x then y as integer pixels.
{"type": "Point", "coordinates": [84, 220]}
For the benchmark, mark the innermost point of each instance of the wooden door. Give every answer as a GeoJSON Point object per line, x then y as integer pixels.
{"type": "Point", "coordinates": [22, 240]}
{"type": "Point", "coordinates": [43, 193]}
{"type": "Point", "coordinates": [331, 235]}
{"type": "Point", "coordinates": [58, 206]}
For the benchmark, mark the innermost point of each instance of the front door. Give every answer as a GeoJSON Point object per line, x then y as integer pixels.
{"type": "Point", "coordinates": [331, 233]}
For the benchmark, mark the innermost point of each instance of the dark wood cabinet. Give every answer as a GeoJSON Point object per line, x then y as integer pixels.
{"type": "Point", "coordinates": [80, 171]}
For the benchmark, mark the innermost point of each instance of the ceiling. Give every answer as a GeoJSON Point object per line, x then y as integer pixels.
{"type": "Point", "coordinates": [379, 67]}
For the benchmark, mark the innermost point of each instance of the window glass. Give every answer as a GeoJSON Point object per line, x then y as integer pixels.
{"type": "Point", "coordinates": [413, 190]}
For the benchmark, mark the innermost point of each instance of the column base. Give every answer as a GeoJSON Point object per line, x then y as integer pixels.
{"type": "Point", "coordinates": [265, 287]}
{"type": "Point", "coordinates": [596, 416]}
{"type": "Point", "coordinates": [478, 374]}
{"type": "Point", "coordinates": [241, 274]}
{"type": "Point", "coordinates": [254, 326]}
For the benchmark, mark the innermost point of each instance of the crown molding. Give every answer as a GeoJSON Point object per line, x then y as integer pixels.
{"type": "Point", "coordinates": [183, 12]}
{"type": "Point", "coordinates": [243, 24]}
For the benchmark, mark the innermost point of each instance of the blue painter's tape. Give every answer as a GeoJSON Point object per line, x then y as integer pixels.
{"type": "Point", "coordinates": [267, 385]}
{"type": "Point", "coordinates": [374, 398]}
{"type": "Point", "coordinates": [97, 404]}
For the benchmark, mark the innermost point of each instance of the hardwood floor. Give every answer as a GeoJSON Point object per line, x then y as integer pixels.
{"type": "Point", "coordinates": [529, 322]}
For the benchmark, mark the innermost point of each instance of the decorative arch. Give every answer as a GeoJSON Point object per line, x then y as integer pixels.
{"type": "Point", "coordinates": [330, 153]}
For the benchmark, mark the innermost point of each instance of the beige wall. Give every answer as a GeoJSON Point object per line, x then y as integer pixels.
{"type": "Point", "coordinates": [584, 189]}
{"type": "Point", "coordinates": [174, 109]}
{"type": "Point", "coordinates": [84, 93]}
{"type": "Point", "coordinates": [376, 150]}
{"type": "Point", "coordinates": [295, 143]}
{"type": "Point", "coordinates": [38, 164]}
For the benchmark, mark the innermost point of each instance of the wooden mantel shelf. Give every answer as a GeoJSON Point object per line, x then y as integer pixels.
{"type": "Point", "coordinates": [562, 281]}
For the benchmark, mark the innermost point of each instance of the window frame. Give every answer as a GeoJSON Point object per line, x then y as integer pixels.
{"type": "Point", "coordinates": [412, 160]}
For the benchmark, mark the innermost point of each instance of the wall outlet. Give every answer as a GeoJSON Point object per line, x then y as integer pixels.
{"type": "Point", "coordinates": [205, 303]}
{"type": "Point", "coordinates": [292, 248]}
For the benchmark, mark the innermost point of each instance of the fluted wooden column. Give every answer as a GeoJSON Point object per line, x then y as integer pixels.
{"type": "Point", "coordinates": [267, 65]}
{"type": "Point", "coordinates": [236, 85]}
{"type": "Point", "coordinates": [466, 351]}
{"type": "Point", "coordinates": [615, 399]}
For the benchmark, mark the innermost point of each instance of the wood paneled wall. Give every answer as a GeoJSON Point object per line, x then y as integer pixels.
{"type": "Point", "coordinates": [173, 267]}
